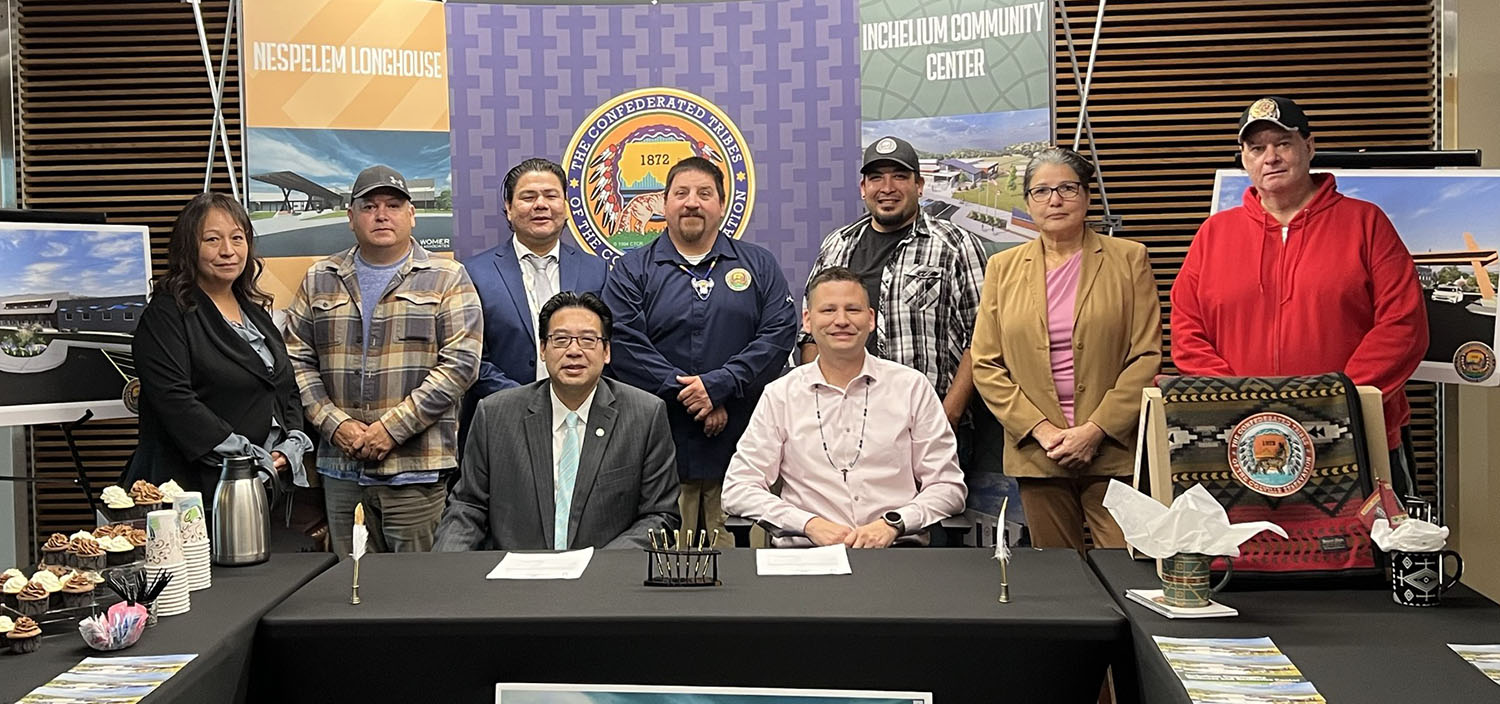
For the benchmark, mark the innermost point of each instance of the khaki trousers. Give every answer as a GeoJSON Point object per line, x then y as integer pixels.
{"type": "Point", "coordinates": [1056, 510]}
{"type": "Point", "coordinates": [702, 507]}
{"type": "Point", "coordinates": [399, 518]}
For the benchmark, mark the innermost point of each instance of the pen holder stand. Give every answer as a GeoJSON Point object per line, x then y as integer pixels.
{"type": "Point", "coordinates": [682, 568]}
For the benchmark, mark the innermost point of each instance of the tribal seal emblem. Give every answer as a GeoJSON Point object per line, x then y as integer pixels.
{"type": "Point", "coordinates": [618, 159]}
{"type": "Point", "coordinates": [1474, 361]}
{"type": "Point", "coordinates": [738, 279]}
{"type": "Point", "coordinates": [1265, 109]}
{"type": "Point", "coordinates": [1271, 454]}
{"type": "Point", "coordinates": [131, 395]}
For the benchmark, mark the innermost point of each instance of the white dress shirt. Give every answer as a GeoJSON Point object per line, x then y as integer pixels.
{"type": "Point", "coordinates": [908, 462]}
{"type": "Point", "coordinates": [560, 427]}
{"type": "Point", "coordinates": [528, 276]}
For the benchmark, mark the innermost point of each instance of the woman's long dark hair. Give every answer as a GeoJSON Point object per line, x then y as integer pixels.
{"type": "Point", "coordinates": [182, 253]}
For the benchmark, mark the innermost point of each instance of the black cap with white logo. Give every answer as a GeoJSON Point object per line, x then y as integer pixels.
{"type": "Point", "coordinates": [1278, 111]}
{"type": "Point", "coordinates": [893, 149]}
{"type": "Point", "coordinates": [379, 176]}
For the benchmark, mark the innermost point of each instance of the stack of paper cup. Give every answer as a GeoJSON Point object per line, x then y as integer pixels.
{"type": "Point", "coordinates": [164, 556]}
{"type": "Point", "coordinates": [190, 517]}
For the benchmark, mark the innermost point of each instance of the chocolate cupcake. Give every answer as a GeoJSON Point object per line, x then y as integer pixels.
{"type": "Point", "coordinates": [77, 590]}
{"type": "Point", "coordinates": [146, 496]}
{"type": "Point", "coordinates": [34, 600]}
{"type": "Point", "coordinates": [137, 538]}
{"type": "Point", "coordinates": [11, 588]}
{"type": "Point", "coordinates": [117, 550]}
{"type": "Point", "coordinates": [25, 637]}
{"type": "Point", "coordinates": [86, 554]}
{"type": "Point", "coordinates": [118, 506]}
{"type": "Point", "coordinates": [55, 550]}
{"type": "Point", "coordinates": [51, 579]}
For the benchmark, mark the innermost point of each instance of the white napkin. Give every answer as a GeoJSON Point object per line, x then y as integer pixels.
{"type": "Point", "coordinates": [1194, 523]}
{"type": "Point", "coordinates": [1411, 535]}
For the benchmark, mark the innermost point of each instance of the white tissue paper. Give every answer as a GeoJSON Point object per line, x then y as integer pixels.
{"type": "Point", "coordinates": [1411, 535]}
{"type": "Point", "coordinates": [1194, 523]}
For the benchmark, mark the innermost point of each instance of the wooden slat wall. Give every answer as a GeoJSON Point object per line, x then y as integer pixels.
{"type": "Point", "coordinates": [115, 117]}
{"type": "Point", "coordinates": [1170, 81]}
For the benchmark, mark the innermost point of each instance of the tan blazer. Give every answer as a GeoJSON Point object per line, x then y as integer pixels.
{"type": "Point", "coordinates": [1116, 351]}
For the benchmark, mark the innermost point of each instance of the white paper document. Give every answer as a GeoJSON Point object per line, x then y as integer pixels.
{"type": "Point", "coordinates": [829, 559]}
{"type": "Point", "coordinates": [542, 565]}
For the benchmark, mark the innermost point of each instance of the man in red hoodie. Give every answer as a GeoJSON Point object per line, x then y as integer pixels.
{"type": "Point", "coordinates": [1301, 280]}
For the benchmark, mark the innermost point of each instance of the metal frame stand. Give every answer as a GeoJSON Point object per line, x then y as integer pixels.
{"type": "Point", "coordinates": [215, 86]}
{"type": "Point", "coordinates": [1111, 221]}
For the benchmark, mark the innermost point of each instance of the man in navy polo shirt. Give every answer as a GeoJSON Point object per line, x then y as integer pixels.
{"type": "Point", "coordinates": [705, 322]}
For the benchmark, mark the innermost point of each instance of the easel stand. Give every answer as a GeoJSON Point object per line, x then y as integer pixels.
{"type": "Point", "coordinates": [215, 87]}
{"type": "Point", "coordinates": [80, 478]}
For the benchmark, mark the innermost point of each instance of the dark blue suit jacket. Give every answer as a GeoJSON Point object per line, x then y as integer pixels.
{"type": "Point", "coordinates": [510, 341]}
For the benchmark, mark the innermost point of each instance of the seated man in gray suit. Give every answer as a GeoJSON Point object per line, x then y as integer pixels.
{"type": "Point", "coordinates": [567, 462]}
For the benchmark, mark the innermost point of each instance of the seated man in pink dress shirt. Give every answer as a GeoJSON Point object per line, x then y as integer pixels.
{"type": "Point", "coordinates": [861, 444]}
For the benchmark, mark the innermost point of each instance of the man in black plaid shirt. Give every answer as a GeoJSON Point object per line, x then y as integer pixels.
{"type": "Point", "coordinates": [923, 275]}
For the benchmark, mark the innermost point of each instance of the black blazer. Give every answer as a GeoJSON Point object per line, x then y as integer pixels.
{"type": "Point", "coordinates": [200, 381]}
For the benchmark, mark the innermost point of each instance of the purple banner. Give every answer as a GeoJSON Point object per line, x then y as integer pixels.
{"type": "Point", "coordinates": [778, 79]}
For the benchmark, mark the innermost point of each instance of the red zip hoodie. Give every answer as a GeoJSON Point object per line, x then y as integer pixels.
{"type": "Point", "coordinates": [1340, 295]}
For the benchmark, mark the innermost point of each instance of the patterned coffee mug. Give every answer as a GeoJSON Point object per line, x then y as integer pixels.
{"type": "Point", "coordinates": [1417, 578]}
{"type": "Point", "coordinates": [1185, 579]}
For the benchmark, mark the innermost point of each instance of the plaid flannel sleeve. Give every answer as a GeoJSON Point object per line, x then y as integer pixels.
{"type": "Point", "coordinates": [302, 352]}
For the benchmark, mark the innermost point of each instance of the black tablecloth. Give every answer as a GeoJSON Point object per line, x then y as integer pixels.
{"type": "Point", "coordinates": [431, 628]}
{"type": "Point", "coordinates": [220, 628]}
{"type": "Point", "coordinates": [1354, 645]}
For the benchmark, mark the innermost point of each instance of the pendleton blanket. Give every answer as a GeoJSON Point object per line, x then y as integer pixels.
{"type": "Point", "coordinates": [1285, 449]}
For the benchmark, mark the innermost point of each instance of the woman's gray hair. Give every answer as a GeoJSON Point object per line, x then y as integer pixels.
{"type": "Point", "coordinates": [1061, 156]}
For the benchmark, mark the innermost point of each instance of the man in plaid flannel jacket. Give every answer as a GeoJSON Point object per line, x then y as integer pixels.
{"type": "Point", "coordinates": [385, 339]}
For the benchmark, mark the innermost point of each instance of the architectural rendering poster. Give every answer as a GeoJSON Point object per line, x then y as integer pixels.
{"type": "Point", "coordinates": [783, 94]}
{"type": "Point", "coordinates": [506, 693]}
{"type": "Point", "coordinates": [331, 87]}
{"type": "Point", "coordinates": [70, 296]}
{"type": "Point", "coordinates": [1450, 221]}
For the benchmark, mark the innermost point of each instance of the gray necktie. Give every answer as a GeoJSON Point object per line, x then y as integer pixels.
{"type": "Point", "coordinates": [541, 282]}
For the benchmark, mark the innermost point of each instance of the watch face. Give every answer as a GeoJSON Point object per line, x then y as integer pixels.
{"type": "Point", "coordinates": [892, 517]}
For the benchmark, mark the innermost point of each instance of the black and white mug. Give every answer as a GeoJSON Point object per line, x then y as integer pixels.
{"type": "Point", "coordinates": [1417, 578]}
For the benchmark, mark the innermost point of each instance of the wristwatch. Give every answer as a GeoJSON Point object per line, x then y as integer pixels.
{"type": "Point", "coordinates": [893, 519]}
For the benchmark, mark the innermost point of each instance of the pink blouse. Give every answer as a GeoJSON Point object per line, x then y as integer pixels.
{"type": "Point", "coordinates": [1062, 293]}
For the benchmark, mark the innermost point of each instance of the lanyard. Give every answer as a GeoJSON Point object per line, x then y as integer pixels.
{"type": "Point", "coordinates": [702, 286]}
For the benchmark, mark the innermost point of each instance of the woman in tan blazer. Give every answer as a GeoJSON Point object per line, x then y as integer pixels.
{"type": "Point", "coordinates": [1069, 331]}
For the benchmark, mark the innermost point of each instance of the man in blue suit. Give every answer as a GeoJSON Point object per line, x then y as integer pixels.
{"type": "Point", "coordinates": [515, 278]}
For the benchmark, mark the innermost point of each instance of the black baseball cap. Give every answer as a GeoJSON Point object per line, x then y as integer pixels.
{"type": "Point", "coordinates": [1278, 111]}
{"type": "Point", "coordinates": [379, 176]}
{"type": "Point", "coordinates": [893, 149]}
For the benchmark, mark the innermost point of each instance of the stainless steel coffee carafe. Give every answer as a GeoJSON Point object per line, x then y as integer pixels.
{"type": "Point", "coordinates": [242, 515]}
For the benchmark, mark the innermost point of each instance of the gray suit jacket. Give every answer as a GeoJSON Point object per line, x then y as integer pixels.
{"type": "Point", "coordinates": [627, 475]}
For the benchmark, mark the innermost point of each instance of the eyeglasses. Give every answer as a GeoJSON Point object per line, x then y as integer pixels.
{"type": "Point", "coordinates": [1068, 190]}
{"type": "Point", "coordinates": [561, 341]}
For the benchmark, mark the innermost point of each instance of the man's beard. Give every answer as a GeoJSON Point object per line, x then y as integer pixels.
{"type": "Point", "coordinates": [896, 219]}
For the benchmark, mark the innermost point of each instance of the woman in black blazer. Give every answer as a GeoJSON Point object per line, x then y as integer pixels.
{"type": "Point", "coordinates": [215, 380]}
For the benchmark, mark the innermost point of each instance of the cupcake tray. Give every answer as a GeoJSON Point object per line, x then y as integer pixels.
{"type": "Point", "coordinates": [59, 619]}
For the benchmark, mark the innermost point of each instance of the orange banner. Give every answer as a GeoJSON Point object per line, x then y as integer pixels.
{"type": "Point", "coordinates": [345, 64]}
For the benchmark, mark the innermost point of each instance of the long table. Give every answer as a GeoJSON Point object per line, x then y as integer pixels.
{"type": "Point", "coordinates": [220, 628]}
{"type": "Point", "coordinates": [1354, 645]}
{"type": "Point", "coordinates": [431, 628]}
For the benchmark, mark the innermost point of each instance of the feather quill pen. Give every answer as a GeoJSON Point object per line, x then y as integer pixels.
{"type": "Point", "coordinates": [1002, 553]}
{"type": "Point", "coordinates": [361, 537]}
